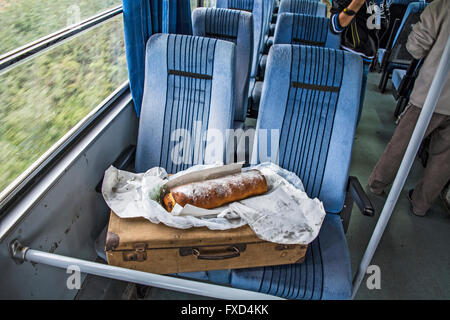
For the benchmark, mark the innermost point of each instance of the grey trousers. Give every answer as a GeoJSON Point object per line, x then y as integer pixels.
{"type": "Point", "coordinates": [437, 172]}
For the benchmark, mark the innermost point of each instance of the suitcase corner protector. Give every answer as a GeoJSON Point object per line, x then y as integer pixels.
{"type": "Point", "coordinates": [112, 241]}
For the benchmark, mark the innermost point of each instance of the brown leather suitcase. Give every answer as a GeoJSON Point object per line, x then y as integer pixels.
{"type": "Point", "coordinates": [138, 244]}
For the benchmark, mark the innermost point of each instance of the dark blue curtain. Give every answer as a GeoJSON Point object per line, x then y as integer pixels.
{"type": "Point", "coordinates": [183, 17]}
{"type": "Point", "coordinates": [141, 19]}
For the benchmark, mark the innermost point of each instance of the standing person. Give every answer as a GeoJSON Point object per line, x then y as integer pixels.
{"type": "Point", "coordinates": [426, 40]}
{"type": "Point", "coordinates": [360, 22]}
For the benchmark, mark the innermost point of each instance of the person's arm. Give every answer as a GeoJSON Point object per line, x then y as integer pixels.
{"type": "Point", "coordinates": [339, 19]}
{"type": "Point", "coordinates": [345, 19]}
{"type": "Point", "coordinates": [423, 34]}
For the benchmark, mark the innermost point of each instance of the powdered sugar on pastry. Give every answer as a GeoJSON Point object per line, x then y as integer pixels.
{"type": "Point", "coordinates": [216, 192]}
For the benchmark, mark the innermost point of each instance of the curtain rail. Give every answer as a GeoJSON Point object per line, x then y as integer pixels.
{"type": "Point", "coordinates": [20, 54]}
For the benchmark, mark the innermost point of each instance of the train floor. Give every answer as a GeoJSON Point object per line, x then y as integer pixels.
{"type": "Point", "coordinates": [413, 255]}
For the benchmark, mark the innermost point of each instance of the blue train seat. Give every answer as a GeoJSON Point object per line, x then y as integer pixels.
{"type": "Point", "coordinates": [396, 56]}
{"type": "Point", "coordinates": [310, 7]}
{"type": "Point", "coordinates": [300, 29]}
{"type": "Point", "coordinates": [189, 84]}
{"type": "Point", "coordinates": [305, 29]}
{"type": "Point", "coordinates": [256, 8]}
{"type": "Point", "coordinates": [237, 27]}
{"type": "Point", "coordinates": [302, 99]}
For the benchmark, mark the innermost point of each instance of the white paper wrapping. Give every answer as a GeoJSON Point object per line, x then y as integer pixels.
{"type": "Point", "coordinates": [285, 214]}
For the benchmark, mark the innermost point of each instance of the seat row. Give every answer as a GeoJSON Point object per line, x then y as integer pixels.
{"type": "Point", "coordinates": [246, 23]}
{"type": "Point", "coordinates": [191, 80]}
{"type": "Point", "coordinates": [196, 83]}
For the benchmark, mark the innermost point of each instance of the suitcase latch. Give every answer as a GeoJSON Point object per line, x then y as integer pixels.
{"type": "Point", "coordinates": [139, 254]}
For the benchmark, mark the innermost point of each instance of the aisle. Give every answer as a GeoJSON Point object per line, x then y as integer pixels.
{"type": "Point", "coordinates": [414, 254]}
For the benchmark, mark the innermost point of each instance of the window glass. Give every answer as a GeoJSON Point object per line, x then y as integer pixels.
{"type": "Point", "coordinates": [23, 21]}
{"type": "Point", "coordinates": [44, 97]}
{"type": "Point", "coordinates": [194, 4]}
{"type": "Point", "coordinates": [209, 3]}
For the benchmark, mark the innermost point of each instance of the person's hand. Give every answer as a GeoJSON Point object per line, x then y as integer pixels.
{"type": "Point", "coordinates": [359, 2]}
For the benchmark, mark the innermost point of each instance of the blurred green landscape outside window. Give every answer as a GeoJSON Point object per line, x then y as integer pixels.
{"type": "Point", "coordinates": [46, 96]}
{"type": "Point", "coordinates": [24, 21]}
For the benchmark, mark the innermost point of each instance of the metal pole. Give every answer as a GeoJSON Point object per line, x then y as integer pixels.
{"type": "Point", "coordinates": [408, 159]}
{"type": "Point", "coordinates": [21, 254]}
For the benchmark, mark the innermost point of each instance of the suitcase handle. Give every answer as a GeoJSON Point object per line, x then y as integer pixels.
{"type": "Point", "coordinates": [216, 254]}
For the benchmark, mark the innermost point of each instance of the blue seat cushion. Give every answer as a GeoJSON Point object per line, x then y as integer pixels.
{"type": "Point", "coordinates": [325, 273]}
{"type": "Point", "coordinates": [397, 76]}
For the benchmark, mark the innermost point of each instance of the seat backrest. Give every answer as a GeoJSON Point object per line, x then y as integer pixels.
{"type": "Point", "coordinates": [304, 29]}
{"type": "Point", "coordinates": [256, 8]}
{"type": "Point", "coordinates": [268, 10]}
{"type": "Point", "coordinates": [307, 118]}
{"type": "Point", "coordinates": [188, 92]}
{"type": "Point", "coordinates": [310, 7]}
{"type": "Point", "coordinates": [399, 53]}
{"type": "Point", "coordinates": [237, 27]}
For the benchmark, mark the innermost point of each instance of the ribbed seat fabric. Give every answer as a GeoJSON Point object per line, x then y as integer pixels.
{"type": "Point", "coordinates": [189, 84]}
{"type": "Point", "coordinates": [237, 27]}
{"type": "Point", "coordinates": [310, 7]}
{"type": "Point", "coordinates": [381, 52]}
{"type": "Point", "coordinates": [256, 8]}
{"type": "Point", "coordinates": [301, 29]}
{"type": "Point", "coordinates": [305, 29]}
{"type": "Point", "coordinates": [268, 13]}
{"type": "Point", "coordinates": [314, 119]}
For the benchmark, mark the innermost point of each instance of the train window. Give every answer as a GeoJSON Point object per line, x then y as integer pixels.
{"type": "Point", "coordinates": [194, 4]}
{"type": "Point", "coordinates": [202, 3]}
{"type": "Point", "coordinates": [47, 95]}
{"type": "Point", "coordinates": [23, 21]}
{"type": "Point", "coordinates": [209, 3]}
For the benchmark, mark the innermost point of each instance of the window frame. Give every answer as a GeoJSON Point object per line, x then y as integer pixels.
{"type": "Point", "coordinates": [23, 183]}
{"type": "Point", "coordinates": [29, 50]}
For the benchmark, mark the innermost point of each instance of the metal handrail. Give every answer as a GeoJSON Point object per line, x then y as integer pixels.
{"type": "Point", "coordinates": [21, 254]}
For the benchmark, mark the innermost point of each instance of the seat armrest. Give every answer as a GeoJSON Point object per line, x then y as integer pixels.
{"type": "Point", "coordinates": [360, 197]}
{"type": "Point", "coordinates": [123, 161]}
